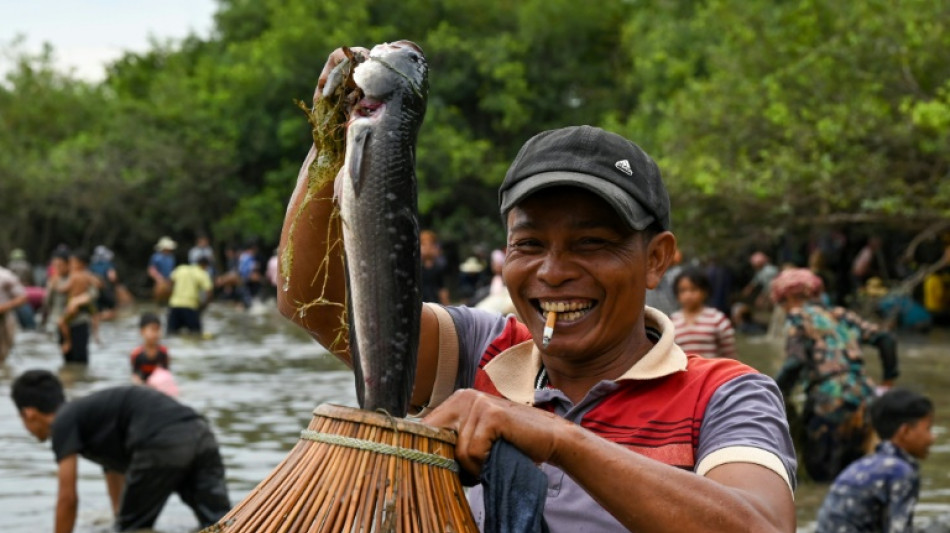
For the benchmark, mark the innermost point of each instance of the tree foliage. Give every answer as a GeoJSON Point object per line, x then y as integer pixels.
{"type": "Point", "coordinates": [766, 116]}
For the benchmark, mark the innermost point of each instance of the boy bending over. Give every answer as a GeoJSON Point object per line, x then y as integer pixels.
{"type": "Point", "coordinates": [879, 491]}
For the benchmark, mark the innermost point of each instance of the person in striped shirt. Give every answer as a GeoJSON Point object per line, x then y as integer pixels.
{"type": "Point", "coordinates": [700, 330]}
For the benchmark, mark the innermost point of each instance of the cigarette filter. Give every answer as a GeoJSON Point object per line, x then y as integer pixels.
{"type": "Point", "coordinates": [548, 329]}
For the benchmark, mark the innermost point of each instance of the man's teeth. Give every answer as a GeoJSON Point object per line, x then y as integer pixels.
{"type": "Point", "coordinates": [573, 315]}
{"type": "Point", "coordinates": [566, 310]}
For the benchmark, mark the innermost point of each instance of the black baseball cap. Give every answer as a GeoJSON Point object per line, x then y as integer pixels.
{"type": "Point", "coordinates": [602, 162]}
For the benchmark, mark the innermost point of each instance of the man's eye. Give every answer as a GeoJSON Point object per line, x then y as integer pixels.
{"type": "Point", "coordinates": [525, 244]}
{"type": "Point", "coordinates": [592, 242]}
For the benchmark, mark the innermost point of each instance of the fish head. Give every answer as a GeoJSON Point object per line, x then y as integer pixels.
{"type": "Point", "coordinates": [392, 69]}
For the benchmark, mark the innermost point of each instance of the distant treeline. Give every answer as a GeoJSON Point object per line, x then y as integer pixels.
{"type": "Point", "coordinates": [767, 117]}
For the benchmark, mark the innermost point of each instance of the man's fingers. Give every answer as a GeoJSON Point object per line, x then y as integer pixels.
{"type": "Point", "coordinates": [478, 419]}
{"type": "Point", "coordinates": [336, 57]}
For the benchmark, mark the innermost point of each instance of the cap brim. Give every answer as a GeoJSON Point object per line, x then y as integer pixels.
{"type": "Point", "coordinates": [635, 216]}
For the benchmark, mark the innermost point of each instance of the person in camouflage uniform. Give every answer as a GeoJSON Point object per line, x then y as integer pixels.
{"type": "Point", "coordinates": [823, 353]}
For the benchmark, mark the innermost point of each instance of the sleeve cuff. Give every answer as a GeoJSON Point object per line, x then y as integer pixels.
{"type": "Point", "coordinates": [745, 454]}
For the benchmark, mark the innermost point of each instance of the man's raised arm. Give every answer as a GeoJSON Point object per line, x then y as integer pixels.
{"type": "Point", "coordinates": [311, 288]}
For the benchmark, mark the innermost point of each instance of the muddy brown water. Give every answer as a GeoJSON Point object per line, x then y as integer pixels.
{"type": "Point", "coordinates": [258, 379]}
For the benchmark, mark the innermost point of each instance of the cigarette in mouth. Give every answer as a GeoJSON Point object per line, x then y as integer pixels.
{"type": "Point", "coordinates": [548, 329]}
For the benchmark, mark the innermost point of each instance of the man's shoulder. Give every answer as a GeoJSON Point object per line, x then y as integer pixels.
{"type": "Point", "coordinates": [720, 369]}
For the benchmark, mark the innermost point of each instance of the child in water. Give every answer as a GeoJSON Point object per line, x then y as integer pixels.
{"type": "Point", "coordinates": [878, 492]}
{"type": "Point", "coordinates": [700, 330]}
{"type": "Point", "coordinates": [150, 361]}
{"type": "Point", "coordinates": [81, 288]}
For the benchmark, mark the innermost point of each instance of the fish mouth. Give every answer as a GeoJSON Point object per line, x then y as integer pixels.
{"type": "Point", "coordinates": [368, 107]}
{"type": "Point", "coordinates": [568, 310]}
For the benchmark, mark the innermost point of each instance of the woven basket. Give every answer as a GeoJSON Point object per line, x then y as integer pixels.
{"type": "Point", "coordinates": [359, 471]}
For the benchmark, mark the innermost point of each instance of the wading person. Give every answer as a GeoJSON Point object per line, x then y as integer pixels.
{"type": "Point", "coordinates": [878, 492]}
{"type": "Point", "coordinates": [160, 266]}
{"type": "Point", "coordinates": [12, 296]}
{"type": "Point", "coordinates": [823, 353]}
{"type": "Point", "coordinates": [192, 290]}
{"type": "Point", "coordinates": [79, 314]}
{"type": "Point", "coordinates": [631, 432]}
{"type": "Point", "coordinates": [148, 444]}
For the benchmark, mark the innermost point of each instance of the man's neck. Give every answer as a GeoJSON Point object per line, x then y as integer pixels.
{"type": "Point", "coordinates": [576, 379]}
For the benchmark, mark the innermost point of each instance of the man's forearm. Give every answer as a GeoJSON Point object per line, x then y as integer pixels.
{"type": "Point", "coordinates": [645, 495]}
{"type": "Point", "coordinates": [66, 513]}
{"type": "Point", "coordinates": [312, 292]}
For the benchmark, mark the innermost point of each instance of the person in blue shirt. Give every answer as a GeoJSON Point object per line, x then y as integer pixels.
{"type": "Point", "coordinates": [249, 270]}
{"type": "Point", "coordinates": [104, 269]}
{"type": "Point", "coordinates": [160, 267]}
{"type": "Point", "coordinates": [878, 492]}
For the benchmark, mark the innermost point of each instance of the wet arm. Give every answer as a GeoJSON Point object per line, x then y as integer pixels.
{"type": "Point", "coordinates": [311, 288]}
{"type": "Point", "coordinates": [643, 494]}
{"type": "Point", "coordinates": [884, 341]}
{"type": "Point", "coordinates": [886, 346]}
{"type": "Point", "coordinates": [67, 500]}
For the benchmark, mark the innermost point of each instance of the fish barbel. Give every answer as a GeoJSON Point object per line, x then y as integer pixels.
{"type": "Point", "coordinates": [377, 194]}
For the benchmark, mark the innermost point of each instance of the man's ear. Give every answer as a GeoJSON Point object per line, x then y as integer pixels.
{"type": "Point", "coordinates": [660, 254]}
{"type": "Point", "coordinates": [901, 432]}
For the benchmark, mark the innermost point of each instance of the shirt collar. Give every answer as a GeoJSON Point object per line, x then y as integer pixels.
{"type": "Point", "coordinates": [513, 372]}
{"type": "Point", "coordinates": [889, 448]}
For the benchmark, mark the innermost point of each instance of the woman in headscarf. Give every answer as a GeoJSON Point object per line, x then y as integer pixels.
{"type": "Point", "coordinates": [824, 355]}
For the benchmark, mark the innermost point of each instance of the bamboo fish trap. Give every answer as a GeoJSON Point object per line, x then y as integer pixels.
{"type": "Point", "coordinates": [359, 471]}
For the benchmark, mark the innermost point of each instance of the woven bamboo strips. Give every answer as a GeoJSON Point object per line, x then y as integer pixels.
{"type": "Point", "coordinates": [357, 471]}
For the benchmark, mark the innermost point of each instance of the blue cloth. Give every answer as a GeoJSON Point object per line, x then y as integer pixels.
{"type": "Point", "coordinates": [164, 263]}
{"type": "Point", "coordinates": [876, 493]}
{"type": "Point", "coordinates": [101, 268]}
{"type": "Point", "coordinates": [246, 265]}
{"type": "Point", "coordinates": [910, 314]}
{"type": "Point", "coordinates": [515, 489]}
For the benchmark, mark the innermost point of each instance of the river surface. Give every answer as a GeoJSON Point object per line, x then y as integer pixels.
{"type": "Point", "coordinates": [258, 378]}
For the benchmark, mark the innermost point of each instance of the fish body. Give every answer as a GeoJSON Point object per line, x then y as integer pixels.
{"type": "Point", "coordinates": [377, 195]}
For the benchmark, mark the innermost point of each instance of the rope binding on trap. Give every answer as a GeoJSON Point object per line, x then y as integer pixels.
{"type": "Point", "coordinates": [385, 449]}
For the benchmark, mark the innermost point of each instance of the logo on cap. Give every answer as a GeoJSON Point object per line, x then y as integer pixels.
{"type": "Point", "coordinates": [624, 166]}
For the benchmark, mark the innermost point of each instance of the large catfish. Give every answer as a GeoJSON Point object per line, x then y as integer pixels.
{"type": "Point", "coordinates": [378, 206]}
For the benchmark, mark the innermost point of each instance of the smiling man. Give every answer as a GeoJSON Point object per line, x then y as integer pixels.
{"type": "Point", "coordinates": [632, 433]}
